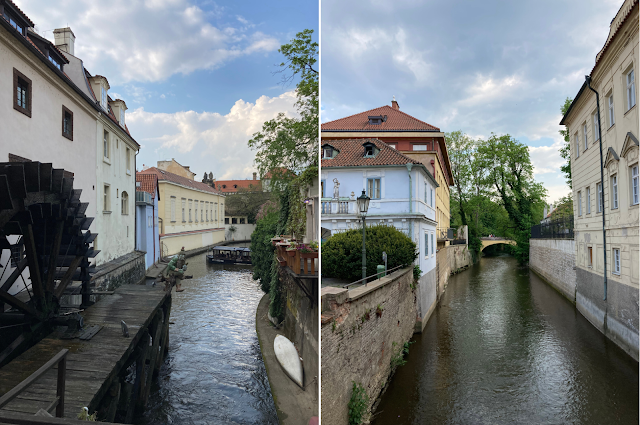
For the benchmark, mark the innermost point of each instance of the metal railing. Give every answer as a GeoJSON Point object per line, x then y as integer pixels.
{"type": "Point", "coordinates": [561, 228]}
{"type": "Point", "coordinates": [59, 359]}
{"type": "Point", "coordinates": [445, 233]}
{"type": "Point", "coordinates": [377, 276]}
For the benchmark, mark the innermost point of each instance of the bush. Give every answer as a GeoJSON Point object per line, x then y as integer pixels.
{"type": "Point", "coordinates": [262, 251]}
{"type": "Point", "coordinates": [357, 404]}
{"type": "Point", "coordinates": [342, 253]}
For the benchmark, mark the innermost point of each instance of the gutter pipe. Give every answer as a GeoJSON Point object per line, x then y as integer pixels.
{"type": "Point", "coordinates": [604, 232]}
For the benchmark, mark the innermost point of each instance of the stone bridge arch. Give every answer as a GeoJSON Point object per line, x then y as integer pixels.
{"type": "Point", "coordinates": [494, 241]}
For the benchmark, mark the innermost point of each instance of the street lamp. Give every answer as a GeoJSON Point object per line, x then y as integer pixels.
{"type": "Point", "coordinates": [363, 207]}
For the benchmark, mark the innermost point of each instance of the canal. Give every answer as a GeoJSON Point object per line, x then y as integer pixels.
{"type": "Point", "coordinates": [214, 371]}
{"type": "Point", "coordinates": [503, 347]}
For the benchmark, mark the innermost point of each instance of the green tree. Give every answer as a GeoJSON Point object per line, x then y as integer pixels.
{"type": "Point", "coordinates": [287, 143]}
{"type": "Point", "coordinates": [509, 173]}
{"type": "Point", "coordinates": [461, 153]}
{"type": "Point", "coordinates": [342, 252]}
{"type": "Point", "coordinates": [262, 251]}
{"type": "Point", "coordinates": [246, 202]}
{"type": "Point", "coordinates": [565, 150]}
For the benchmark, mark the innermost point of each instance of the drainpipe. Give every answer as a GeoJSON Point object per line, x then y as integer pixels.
{"type": "Point", "coordinates": [604, 232]}
{"type": "Point", "coordinates": [409, 166]}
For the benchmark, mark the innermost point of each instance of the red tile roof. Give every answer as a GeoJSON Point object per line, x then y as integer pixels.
{"type": "Point", "coordinates": [280, 172]}
{"type": "Point", "coordinates": [148, 183]}
{"type": "Point", "coordinates": [183, 181]}
{"type": "Point", "coordinates": [227, 186]}
{"type": "Point", "coordinates": [351, 154]}
{"type": "Point", "coordinates": [396, 121]}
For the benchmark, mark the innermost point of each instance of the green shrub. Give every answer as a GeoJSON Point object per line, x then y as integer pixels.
{"type": "Point", "coordinates": [357, 404]}
{"type": "Point", "coordinates": [342, 252]}
{"type": "Point", "coordinates": [262, 251]}
{"type": "Point", "coordinates": [276, 308]}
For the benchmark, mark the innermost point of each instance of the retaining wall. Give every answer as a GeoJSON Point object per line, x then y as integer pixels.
{"type": "Point", "coordinates": [357, 345]}
{"type": "Point", "coordinates": [554, 260]}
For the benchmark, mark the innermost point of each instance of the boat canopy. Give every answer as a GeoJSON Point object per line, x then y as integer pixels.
{"type": "Point", "coordinates": [231, 248]}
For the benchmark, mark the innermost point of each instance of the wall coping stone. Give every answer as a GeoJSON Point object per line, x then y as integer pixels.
{"type": "Point", "coordinates": [361, 291]}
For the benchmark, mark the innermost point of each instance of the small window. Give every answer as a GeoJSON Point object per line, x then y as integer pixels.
{"type": "Point", "coordinates": [21, 93]}
{"type": "Point", "coordinates": [614, 192]}
{"type": "Point", "coordinates": [368, 150]}
{"type": "Point", "coordinates": [241, 220]}
{"type": "Point", "coordinates": [584, 132]}
{"type": "Point", "coordinates": [196, 217]}
{"type": "Point", "coordinates": [234, 220]}
{"type": "Point", "coordinates": [577, 142]}
{"type": "Point", "coordinates": [373, 188]}
{"type": "Point", "coordinates": [327, 153]}
{"type": "Point", "coordinates": [631, 90]}
{"type": "Point", "coordinates": [106, 145]}
{"type": "Point", "coordinates": [190, 208]}
{"type": "Point", "coordinates": [14, 23]}
{"type": "Point", "coordinates": [419, 147]}
{"type": "Point", "coordinates": [590, 256]}
{"type": "Point", "coordinates": [635, 185]}
{"type": "Point", "coordinates": [235, 186]}
{"type": "Point", "coordinates": [128, 154]}
{"type": "Point", "coordinates": [431, 195]}
{"type": "Point", "coordinates": [106, 204]}
{"type": "Point", "coordinates": [226, 220]}
{"type": "Point", "coordinates": [124, 201]}
{"type": "Point", "coordinates": [55, 63]}
{"type": "Point", "coordinates": [103, 98]}
{"type": "Point", "coordinates": [599, 195]}
{"type": "Point", "coordinates": [122, 116]}
{"type": "Point", "coordinates": [322, 188]}
{"type": "Point", "coordinates": [173, 209]}
{"type": "Point", "coordinates": [433, 247]}
{"type": "Point", "coordinates": [224, 186]}
{"type": "Point", "coordinates": [579, 203]}
{"type": "Point", "coordinates": [612, 119]}
{"type": "Point", "coordinates": [67, 123]}
{"type": "Point", "coordinates": [588, 200]}
{"type": "Point", "coordinates": [596, 127]}
{"type": "Point", "coordinates": [426, 244]}
{"type": "Point", "coordinates": [616, 261]}
{"type": "Point", "coordinates": [184, 214]}
{"type": "Point", "coordinates": [393, 145]}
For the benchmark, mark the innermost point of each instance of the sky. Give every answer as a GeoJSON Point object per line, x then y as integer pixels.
{"type": "Point", "coordinates": [480, 67]}
{"type": "Point", "coordinates": [197, 75]}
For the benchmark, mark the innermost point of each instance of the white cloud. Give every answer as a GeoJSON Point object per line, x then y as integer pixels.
{"type": "Point", "coordinates": [218, 142]}
{"type": "Point", "coordinates": [146, 41]}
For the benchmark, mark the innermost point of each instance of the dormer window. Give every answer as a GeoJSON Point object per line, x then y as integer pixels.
{"type": "Point", "coordinates": [122, 116]}
{"type": "Point", "coordinates": [103, 97]}
{"type": "Point", "coordinates": [370, 149]}
{"type": "Point", "coordinates": [377, 119]}
{"type": "Point", "coordinates": [53, 61]}
{"type": "Point", "coordinates": [14, 22]}
{"type": "Point", "coordinates": [329, 151]}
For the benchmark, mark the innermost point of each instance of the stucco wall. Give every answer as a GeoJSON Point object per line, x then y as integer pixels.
{"type": "Point", "coordinates": [554, 260]}
{"type": "Point", "coordinates": [426, 298]}
{"type": "Point", "coordinates": [146, 234]}
{"type": "Point", "coordinates": [243, 232]}
{"type": "Point", "coordinates": [357, 345]}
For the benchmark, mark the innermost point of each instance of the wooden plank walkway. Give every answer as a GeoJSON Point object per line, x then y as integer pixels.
{"type": "Point", "coordinates": [91, 364]}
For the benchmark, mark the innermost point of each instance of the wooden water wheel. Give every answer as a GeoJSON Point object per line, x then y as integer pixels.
{"type": "Point", "coordinates": [44, 226]}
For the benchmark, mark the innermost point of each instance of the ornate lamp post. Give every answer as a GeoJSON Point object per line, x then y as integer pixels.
{"type": "Point", "coordinates": [363, 207]}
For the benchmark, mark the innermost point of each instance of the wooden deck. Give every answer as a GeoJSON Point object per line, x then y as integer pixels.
{"type": "Point", "coordinates": [95, 365]}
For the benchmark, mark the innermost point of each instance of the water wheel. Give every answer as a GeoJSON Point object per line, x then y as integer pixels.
{"type": "Point", "coordinates": [44, 227]}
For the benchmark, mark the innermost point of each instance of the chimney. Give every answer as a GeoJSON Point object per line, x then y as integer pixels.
{"type": "Point", "coordinates": [64, 39]}
{"type": "Point", "coordinates": [394, 104]}
{"type": "Point", "coordinates": [255, 176]}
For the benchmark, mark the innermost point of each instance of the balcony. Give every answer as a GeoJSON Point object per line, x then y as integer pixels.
{"type": "Point", "coordinates": [445, 233]}
{"type": "Point", "coordinates": [338, 206]}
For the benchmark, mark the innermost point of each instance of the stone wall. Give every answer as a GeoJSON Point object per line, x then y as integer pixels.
{"type": "Point", "coordinates": [459, 258]}
{"type": "Point", "coordinates": [554, 260]}
{"type": "Point", "coordinates": [427, 295]}
{"type": "Point", "coordinates": [301, 323]}
{"type": "Point", "coordinates": [357, 343]}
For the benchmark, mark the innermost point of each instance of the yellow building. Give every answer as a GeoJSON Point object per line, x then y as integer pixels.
{"type": "Point", "coordinates": [412, 137]}
{"type": "Point", "coordinates": [191, 213]}
{"type": "Point", "coordinates": [612, 306]}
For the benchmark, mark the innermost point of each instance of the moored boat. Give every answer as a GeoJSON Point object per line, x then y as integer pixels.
{"type": "Point", "coordinates": [229, 255]}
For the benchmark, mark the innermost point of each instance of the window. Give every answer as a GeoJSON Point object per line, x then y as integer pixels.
{"type": "Point", "coordinates": [184, 215]}
{"type": "Point", "coordinates": [433, 247]}
{"type": "Point", "coordinates": [103, 97]}
{"type": "Point", "coordinates": [124, 201]}
{"type": "Point", "coordinates": [173, 208]}
{"type": "Point", "coordinates": [425, 192]}
{"type": "Point", "coordinates": [393, 145]}
{"type": "Point", "coordinates": [575, 137]}
{"type": "Point", "coordinates": [196, 217]}
{"type": "Point", "coordinates": [322, 188]}
{"type": "Point", "coordinates": [190, 208]}
{"type": "Point", "coordinates": [201, 211]}
{"type": "Point", "coordinates": [373, 188]}
{"type": "Point", "coordinates": [588, 200]}
{"type": "Point", "coordinates": [241, 220]}
{"type": "Point", "coordinates": [419, 147]}
{"type": "Point", "coordinates": [67, 123]}
{"type": "Point", "coordinates": [431, 195]}
{"type": "Point", "coordinates": [55, 63]}
{"type": "Point", "coordinates": [128, 153]}
{"type": "Point", "coordinates": [596, 127]}
{"type": "Point", "coordinates": [368, 150]}
{"type": "Point", "coordinates": [614, 192]}
{"type": "Point", "coordinates": [426, 244]}
{"type": "Point", "coordinates": [206, 215]}
{"type": "Point", "coordinates": [327, 152]}
{"type": "Point", "coordinates": [584, 130]}
{"type": "Point", "coordinates": [234, 220]}
{"type": "Point", "coordinates": [590, 256]}
{"type": "Point", "coordinates": [105, 143]}
{"type": "Point", "coordinates": [226, 220]}
{"type": "Point", "coordinates": [13, 22]}
{"type": "Point", "coordinates": [631, 90]}
{"type": "Point", "coordinates": [106, 199]}
{"type": "Point", "coordinates": [635, 183]}
{"type": "Point", "coordinates": [21, 93]}
{"type": "Point", "coordinates": [612, 119]}
{"type": "Point", "coordinates": [599, 195]}
{"type": "Point", "coordinates": [579, 203]}
{"type": "Point", "coordinates": [616, 261]}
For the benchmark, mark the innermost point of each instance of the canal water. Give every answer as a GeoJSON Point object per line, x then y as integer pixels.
{"type": "Point", "coordinates": [214, 373]}
{"type": "Point", "coordinates": [503, 347]}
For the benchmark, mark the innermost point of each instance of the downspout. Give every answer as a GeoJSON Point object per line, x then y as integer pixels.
{"type": "Point", "coordinates": [135, 221]}
{"type": "Point", "coordinates": [409, 166]}
{"type": "Point", "coordinates": [604, 232]}
{"type": "Point", "coordinates": [153, 226]}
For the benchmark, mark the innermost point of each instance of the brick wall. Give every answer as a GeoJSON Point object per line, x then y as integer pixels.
{"type": "Point", "coordinates": [554, 260]}
{"type": "Point", "coordinates": [357, 346]}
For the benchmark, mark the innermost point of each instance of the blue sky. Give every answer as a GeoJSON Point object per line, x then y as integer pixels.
{"type": "Point", "coordinates": [480, 67]}
{"type": "Point", "coordinates": [197, 75]}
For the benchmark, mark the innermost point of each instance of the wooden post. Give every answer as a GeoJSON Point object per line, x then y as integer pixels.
{"type": "Point", "coordinates": [62, 376]}
{"type": "Point", "coordinates": [110, 414]}
{"type": "Point", "coordinates": [157, 329]}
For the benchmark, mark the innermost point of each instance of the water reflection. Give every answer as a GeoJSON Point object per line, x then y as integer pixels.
{"type": "Point", "coordinates": [505, 348]}
{"type": "Point", "coordinates": [214, 371]}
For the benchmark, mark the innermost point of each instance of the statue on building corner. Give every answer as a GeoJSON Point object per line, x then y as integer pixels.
{"type": "Point", "coordinates": [336, 189]}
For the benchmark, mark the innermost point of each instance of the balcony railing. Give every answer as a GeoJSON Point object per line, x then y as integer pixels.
{"type": "Point", "coordinates": [302, 264]}
{"type": "Point", "coordinates": [338, 206]}
{"type": "Point", "coordinates": [445, 233]}
{"type": "Point", "coordinates": [561, 228]}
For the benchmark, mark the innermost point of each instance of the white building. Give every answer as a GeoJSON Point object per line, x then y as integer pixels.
{"type": "Point", "coordinates": [402, 193]}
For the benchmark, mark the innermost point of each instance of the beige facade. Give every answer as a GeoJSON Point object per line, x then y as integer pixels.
{"type": "Point", "coordinates": [174, 167]}
{"type": "Point", "coordinates": [614, 77]}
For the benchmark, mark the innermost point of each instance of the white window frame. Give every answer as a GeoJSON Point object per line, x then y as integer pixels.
{"type": "Point", "coordinates": [596, 132]}
{"type": "Point", "coordinates": [128, 153]}
{"type": "Point", "coordinates": [433, 246]}
{"type": "Point", "coordinates": [588, 196]}
{"type": "Point", "coordinates": [577, 139]}
{"type": "Point", "coordinates": [635, 185]}
{"type": "Point", "coordinates": [196, 210]}
{"type": "Point", "coordinates": [586, 140]}
{"type": "Point", "coordinates": [630, 78]}
{"type": "Point", "coordinates": [616, 261]}
{"type": "Point", "coordinates": [106, 145]}
{"type": "Point", "coordinates": [374, 187]}
{"type": "Point", "coordinates": [426, 244]}
{"type": "Point", "coordinates": [419, 147]}
{"type": "Point", "coordinates": [599, 195]}
{"type": "Point", "coordinates": [614, 192]}
{"type": "Point", "coordinates": [121, 116]}
{"type": "Point", "coordinates": [190, 209]}
{"type": "Point", "coordinates": [124, 203]}
{"type": "Point", "coordinates": [103, 97]}
{"type": "Point", "coordinates": [612, 117]}
{"type": "Point", "coordinates": [184, 210]}
{"type": "Point", "coordinates": [173, 209]}
{"type": "Point", "coordinates": [579, 203]}
{"type": "Point", "coordinates": [106, 200]}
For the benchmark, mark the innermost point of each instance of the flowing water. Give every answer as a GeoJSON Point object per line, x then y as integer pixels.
{"type": "Point", "coordinates": [214, 372]}
{"type": "Point", "coordinates": [503, 347]}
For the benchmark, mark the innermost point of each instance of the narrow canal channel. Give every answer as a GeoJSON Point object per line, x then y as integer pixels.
{"type": "Point", "coordinates": [214, 372]}
{"type": "Point", "coordinates": [505, 348]}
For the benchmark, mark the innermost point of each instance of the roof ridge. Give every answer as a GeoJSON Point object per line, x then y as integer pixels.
{"type": "Point", "coordinates": [389, 110]}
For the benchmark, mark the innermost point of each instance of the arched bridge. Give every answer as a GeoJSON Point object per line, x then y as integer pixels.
{"type": "Point", "coordinates": [493, 241]}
